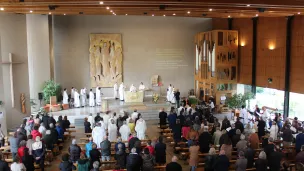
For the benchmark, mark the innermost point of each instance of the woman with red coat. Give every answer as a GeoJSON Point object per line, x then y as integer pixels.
{"type": "Point", "coordinates": [21, 148]}
{"type": "Point", "coordinates": [35, 132]}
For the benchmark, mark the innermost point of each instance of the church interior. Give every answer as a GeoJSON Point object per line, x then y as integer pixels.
{"type": "Point", "coordinates": [85, 59]}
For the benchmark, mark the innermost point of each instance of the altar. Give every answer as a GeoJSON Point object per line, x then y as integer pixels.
{"type": "Point", "coordinates": [131, 97]}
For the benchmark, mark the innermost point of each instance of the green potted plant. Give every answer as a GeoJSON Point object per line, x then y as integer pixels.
{"type": "Point", "coordinates": [238, 100]}
{"type": "Point", "coordinates": [50, 88]}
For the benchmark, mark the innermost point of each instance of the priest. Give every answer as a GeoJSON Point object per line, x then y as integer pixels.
{"type": "Point", "coordinates": [98, 96]}
{"type": "Point", "coordinates": [169, 91]}
{"type": "Point", "coordinates": [83, 93]}
{"type": "Point", "coordinates": [121, 91]}
{"type": "Point", "coordinates": [141, 87]}
{"type": "Point", "coordinates": [65, 99]}
{"type": "Point", "coordinates": [91, 99]}
{"type": "Point", "coordinates": [115, 91]}
{"type": "Point", "coordinates": [76, 99]}
{"type": "Point", "coordinates": [124, 131]}
{"type": "Point", "coordinates": [72, 93]}
{"type": "Point", "coordinates": [132, 89]}
{"type": "Point", "coordinates": [112, 130]}
{"type": "Point", "coordinates": [98, 133]}
{"type": "Point", "coordinates": [140, 128]}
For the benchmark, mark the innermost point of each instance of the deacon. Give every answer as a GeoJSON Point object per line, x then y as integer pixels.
{"type": "Point", "coordinates": [140, 128]}
{"type": "Point", "coordinates": [76, 99]}
{"type": "Point", "coordinates": [98, 133]}
{"type": "Point", "coordinates": [169, 91]}
{"type": "Point", "coordinates": [72, 93]}
{"type": "Point", "coordinates": [91, 99]}
{"type": "Point", "coordinates": [115, 91]}
{"type": "Point", "coordinates": [98, 96]}
{"type": "Point", "coordinates": [65, 99]}
{"type": "Point", "coordinates": [124, 131]}
{"type": "Point", "coordinates": [132, 89]}
{"type": "Point", "coordinates": [141, 87]}
{"type": "Point", "coordinates": [83, 93]}
{"type": "Point", "coordinates": [112, 131]}
{"type": "Point", "coordinates": [121, 91]}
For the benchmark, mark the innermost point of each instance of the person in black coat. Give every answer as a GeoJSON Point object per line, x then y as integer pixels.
{"type": "Point", "coordinates": [95, 155]}
{"type": "Point", "coordinates": [162, 117]}
{"type": "Point", "coordinates": [225, 123]}
{"type": "Point", "coordinates": [261, 127]}
{"type": "Point", "coordinates": [239, 125]}
{"type": "Point", "coordinates": [132, 141]}
{"type": "Point", "coordinates": [172, 118]}
{"type": "Point", "coordinates": [160, 151]}
{"type": "Point", "coordinates": [222, 162]}
{"type": "Point", "coordinates": [269, 148]}
{"type": "Point", "coordinates": [66, 165]}
{"type": "Point", "coordinates": [52, 120]}
{"type": "Point", "coordinates": [249, 154]}
{"type": "Point", "coordinates": [87, 126]}
{"type": "Point", "coordinates": [45, 120]}
{"type": "Point", "coordinates": [205, 140]}
{"type": "Point", "coordinates": [3, 164]}
{"type": "Point", "coordinates": [120, 156]}
{"type": "Point", "coordinates": [274, 160]}
{"type": "Point", "coordinates": [182, 118]}
{"type": "Point", "coordinates": [173, 166]}
{"type": "Point", "coordinates": [66, 123]}
{"type": "Point", "coordinates": [28, 160]}
{"type": "Point", "coordinates": [177, 131]}
{"type": "Point", "coordinates": [134, 161]}
{"type": "Point", "coordinates": [97, 118]}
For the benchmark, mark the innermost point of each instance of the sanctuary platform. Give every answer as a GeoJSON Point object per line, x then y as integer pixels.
{"type": "Point", "coordinates": [148, 109]}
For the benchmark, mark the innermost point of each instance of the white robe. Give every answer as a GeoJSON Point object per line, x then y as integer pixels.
{"type": "Point", "coordinates": [140, 129]}
{"type": "Point", "coordinates": [91, 99]}
{"type": "Point", "coordinates": [98, 133]}
{"type": "Point", "coordinates": [65, 99]}
{"type": "Point", "coordinates": [91, 120]}
{"type": "Point", "coordinates": [132, 89]}
{"type": "Point", "coordinates": [274, 132]}
{"type": "Point", "coordinates": [106, 118]}
{"type": "Point", "coordinates": [124, 132]}
{"type": "Point", "coordinates": [244, 114]}
{"type": "Point", "coordinates": [169, 93]}
{"type": "Point", "coordinates": [112, 130]}
{"type": "Point", "coordinates": [172, 97]}
{"type": "Point", "coordinates": [134, 116]}
{"type": "Point", "coordinates": [121, 92]}
{"type": "Point", "coordinates": [141, 87]}
{"type": "Point", "coordinates": [98, 97]}
{"type": "Point", "coordinates": [115, 91]}
{"type": "Point", "coordinates": [72, 93]}
{"type": "Point", "coordinates": [83, 97]}
{"type": "Point", "coordinates": [76, 99]}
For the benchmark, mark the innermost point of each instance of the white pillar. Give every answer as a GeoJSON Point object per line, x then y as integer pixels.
{"type": "Point", "coordinates": [38, 49]}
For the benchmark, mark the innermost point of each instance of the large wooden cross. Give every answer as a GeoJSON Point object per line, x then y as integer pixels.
{"type": "Point", "coordinates": [11, 63]}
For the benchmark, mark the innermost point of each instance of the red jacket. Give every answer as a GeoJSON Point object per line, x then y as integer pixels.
{"type": "Point", "coordinates": [36, 133]}
{"type": "Point", "coordinates": [151, 149]}
{"type": "Point", "coordinates": [21, 152]}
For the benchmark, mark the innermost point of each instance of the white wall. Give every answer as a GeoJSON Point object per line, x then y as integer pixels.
{"type": "Point", "coordinates": [142, 38]}
{"type": "Point", "coordinates": [13, 40]}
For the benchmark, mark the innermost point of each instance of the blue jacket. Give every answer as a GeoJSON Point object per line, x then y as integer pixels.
{"type": "Point", "coordinates": [299, 141]}
{"type": "Point", "coordinates": [60, 132]}
{"type": "Point", "coordinates": [172, 119]}
{"type": "Point", "coordinates": [88, 148]}
{"type": "Point", "coordinates": [123, 146]}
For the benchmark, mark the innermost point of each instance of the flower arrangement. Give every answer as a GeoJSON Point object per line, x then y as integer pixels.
{"type": "Point", "coordinates": [155, 97]}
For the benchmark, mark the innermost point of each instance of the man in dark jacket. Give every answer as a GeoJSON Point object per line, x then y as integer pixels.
{"type": "Point", "coordinates": [45, 120]}
{"type": "Point", "coordinates": [162, 117]}
{"type": "Point", "coordinates": [54, 133]}
{"type": "Point", "coordinates": [160, 151]}
{"type": "Point", "coordinates": [173, 166]}
{"type": "Point", "coordinates": [300, 139]}
{"type": "Point", "coordinates": [205, 140]}
{"type": "Point", "coordinates": [222, 162]}
{"type": "Point", "coordinates": [132, 141]}
{"type": "Point", "coordinates": [74, 151]}
{"type": "Point", "coordinates": [97, 118]}
{"type": "Point", "coordinates": [274, 160]}
{"type": "Point", "coordinates": [105, 146]}
{"type": "Point", "coordinates": [261, 127]}
{"type": "Point", "coordinates": [3, 164]}
{"type": "Point", "coordinates": [66, 165]}
{"type": "Point", "coordinates": [134, 161]}
{"type": "Point", "coordinates": [269, 148]}
{"type": "Point", "coordinates": [177, 131]}
{"type": "Point", "coordinates": [52, 120]}
{"type": "Point", "coordinates": [225, 123]}
{"type": "Point", "coordinates": [177, 98]}
{"type": "Point", "coordinates": [300, 156]}
{"type": "Point", "coordinates": [249, 154]}
{"type": "Point", "coordinates": [172, 118]}
{"type": "Point", "coordinates": [239, 125]}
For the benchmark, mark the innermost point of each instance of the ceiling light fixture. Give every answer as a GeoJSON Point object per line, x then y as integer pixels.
{"type": "Point", "coordinates": [152, 15]}
{"type": "Point", "coordinates": [2, 9]}
{"type": "Point", "coordinates": [299, 13]}
{"type": "Point", "coordinates": [248, 5]}
{"type": "Point", "coordinates": [111, 11]}
{"type": "Point", "coordinates": [229, 16]}
{"type": "Point", "coordinates": [210, 9]}
{"type": "Point", "coordinates": [164, 15]}
{"type": "Point", "coordinates": [101, 3]}
{"type": "Point", "coordinates": [256, 15]}
{"type": "Point", "coordinates": [31, 11]}
{"type": "Point", "coordinates": [126, 14]}
{"type": "Point", "coordinates": [64, 14]}
{"type": "Point", "coordinates": [174, 14]}
{"type": "Point", "coordinates": [188, 12]}
{"type": "Point", "coordinates": [50, 13]}
{"type": "Point", "coordinates": [114, 14]}
{"type": "Point", "coordinates": [108, 8]}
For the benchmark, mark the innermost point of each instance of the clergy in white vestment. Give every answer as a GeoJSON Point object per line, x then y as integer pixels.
{"type": "Point", "coordinates": [244, 115]}
{"type": "Point", "coordinates": [91, 120]}
{"type": "Point", "coordinates": [121, 91]}
{"type": "Point", "coordinates": [132, 89]}
{"type": "Point", "coordinates": [114, 117]}
{"type": "Point", "coordinates": [98, 133]}
{"type": "Point", "coordinates": [140, 128]}
{"type": "Point", "coordinates": [134, 115]}
{"type": "Point", "coordinates": [72, 92]}
{"type": "Point", "coordinates": [112, 131]}
{"type": "Point", "coordinates": [274, 131]}
{"type": "Point", "coordinates": [42, 129]}
{"type": "Point", "coordinates": [65, 99]}
{"type": "Point", "coordinates": [76, 99]}
{"type": "Point", "coordinates": [91, 99]}
{"type": "Point", "coordinates": [98, 96]}
{"type": "Point", "coordinates": [172, 97]}
{"type": "Point", "coordinates": [115, 91]}
{"type": "Point", "coordinates": [125, 131]}
{"type": "Point", "coordinates": [106, 118]}
{"type": "Point", "coordinates": [169, 91]}
{"type": "Point", "coordinates": [141, 87]}
{"type": "Point", "coordinates": [83, 96]}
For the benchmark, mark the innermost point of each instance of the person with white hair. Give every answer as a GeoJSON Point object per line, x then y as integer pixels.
{"type": "Point", "coordinates": [216, 136]}
{"type": "Point", "coordinates": [173, 165]}
{"type": "Point", "coordinates": [105, 146]}
{"type": "Point", "coordinates": [39, 152]}
{"type": "Point", "coordinates": [261, 162]}
{"type": "Point", "coordinates": [210, 160]}
{"type": "Point", "coordinates": [98, 133]}
{"type": "Point", "coordinates": [134, 161]}
{"type": "Point", "coordinates": [132, 88]}
{"type": "Point", "coordinates": [112, 131]}
{"type": "Point", "coordinates": [242, 144]}
{"type": "Point", "coordinates": [124, 131]}
{"type": "Point", "coordinates": [141, 128]}
{"type": "Point", "coordinates": [95, 166]}
{"type": "Point", "coordinates": [74, 151]}
{"type": "Point", "coordinates": [42, 129]}
{"type": "Point", "coordinates": [274, 131]}
{"type": "Point", "coordinates": [241, 163]}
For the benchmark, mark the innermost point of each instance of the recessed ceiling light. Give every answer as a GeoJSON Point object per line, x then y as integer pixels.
{"type": "Point", "coordinates": [248, 5]}
{"type": "Point", "coordinates": [50, 13]}
{"type": "Point", "coordinates": [152, 15]}
{"type": "Point", "coordinates": [114, 14]}
{"type": "Point", "coordinates": [108, 8]}
{"type": "Point", "coordinates": [210, 9]}
{"type": "Point", "coordinates": [31, 11]}
{"type": "Point", "coordinates": [299, 13]}
{"type": "Point", "coordinates": [229, 16]}
{"type": "Point", "coordinates": [100, 2]}
{"type": "Point", "coordinates": [111, 11]}
{"type": "Point", "coordinates": [64, 14]}
{"type": "Point", "coordinates": [126, 14]}
{"type": "Point", "coordinates": [188, 12]}
{"type": "Point", "coordinates": [164, 15]}
{"type": "Point", "coordinates": [174, 14]}
{"type": "Point", "coordinates": [256, 15]}
{"type": "Point", "coordinates": [2, 9]}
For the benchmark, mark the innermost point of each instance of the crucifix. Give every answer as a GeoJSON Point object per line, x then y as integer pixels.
{"type": "Point", "coordinates": [11, 63]}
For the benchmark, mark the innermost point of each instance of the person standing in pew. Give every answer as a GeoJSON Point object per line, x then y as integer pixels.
{"type": "Point", "coordinates": [83, 163]}
{"type": "Point", "coordinates": [177, 131]}
{"type": "Point", "coordinates": [132, 141]}
{"type": "Point", "coordinates": [148, 160]}
{"type": "Point", "coordinates": [160, 151]}
{"type": "Point", "coordinates": [3, 163]}
{"type": "Point", "coordinates": [17, 165]}
{"type": "Point", "coordinates": [300, 156]}
{"type": "Point", "coordinates": [66, 165]}
{"type": "Point", "coordinates": [222, 162]}
{"type": "Point", "coordinates": [105, 146]}
{"type": "Point", "coordinates": [210, 160]}
{"type": "Point", "coordinates": [162, 117]}
{"type": "Point", "coordinates": [205, 141]}
{"type": "Point", "coordinates": [29, 143]}
{"type": "Point", "coordinates": [28, 160]}
{"type": "Point", "coordinates": [95, 155]}
{"type": "Point", "coordinates": [87, 126]}
{"type": "Point", "coordinates": [14, 144]}
{"type": "Point", "coordinates": [269, 148]}
{"type": "Point", "coordinates": [74, 151]}
{"type": "Point", "coordinates": [134, 161]}
{"type": "Point", "coordinates": [22, 146]}
{"type": "Point", "coordinates": [119, 141]}
{"type": "Point", "coordinates": [121, 156]}
{"type": "Point", "coordinates": [241, 162]}
{"type": "Point", "coordinates": [66, 123]}
{"type": "Point", "coordinates": [261, 162]}
{"type": "Point", "coordinates": [193, 161]}
{"type": "Point", "coordinates": [249, 154]}
{"type": "Point", "coordinates": [274, 160]}
{"type": "Point", "coordinates": [88, 147]}
{"type": "Point", "coordinates": [299, 139]}
{"type": "Point", "coordinates": [39, 152]}
{"type": "Point", "coordinates": [173, 165]}
{"type": "Point", "coordinates": [60, 132]}
{"type": "Point", "coordinates": [54, 134]}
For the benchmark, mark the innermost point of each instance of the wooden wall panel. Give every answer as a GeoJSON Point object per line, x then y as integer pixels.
{"type": "Point", "coordinates": [271, 33]}
{"type": "Point", "coordinates": [297, 55]}
{"type": "Point", "coordinates": [244, 27]}
{"type": "Point", "coordinates": [219, 24]}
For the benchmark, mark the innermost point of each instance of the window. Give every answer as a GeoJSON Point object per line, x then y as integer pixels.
{"type": "Point", "coordinates": [270, 97]}
{"type": "Point", "coordinates": [296, 106]}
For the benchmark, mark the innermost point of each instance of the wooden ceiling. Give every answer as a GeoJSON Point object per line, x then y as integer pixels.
{"type": "Point", "coordinates": [185, 8]}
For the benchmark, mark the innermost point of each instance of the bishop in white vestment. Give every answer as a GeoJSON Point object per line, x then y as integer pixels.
{"type": "Point", "coordinates": [65, 99]}
{"type": "Point", "coordinates": [112, 130]}
{"type": "Point", "coordinates": [132, 89]}
{"type": "Point", "coordinates": [76, 99]}
{"type": "Point", "coordinates": [98, 133]}
{"type": "Point", "coordinates": [124, 131]}
{"type": "Point", "coordinates": [115, 91]}
{"type": "Point", "coordinates": [91, 99]}
{"type": "Point", "coordinates": [140, 128]}
{"type": "Point", "coordinates": [141, 87]}
{"type": "Point", "coordinates": [121, 91]}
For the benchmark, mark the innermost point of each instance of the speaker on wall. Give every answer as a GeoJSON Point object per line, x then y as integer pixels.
{"type": "Point", "coordinates": [40, 96]}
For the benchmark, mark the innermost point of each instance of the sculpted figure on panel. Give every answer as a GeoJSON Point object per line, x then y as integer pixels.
{"type": "Point", "coordinates": [105, 60]}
